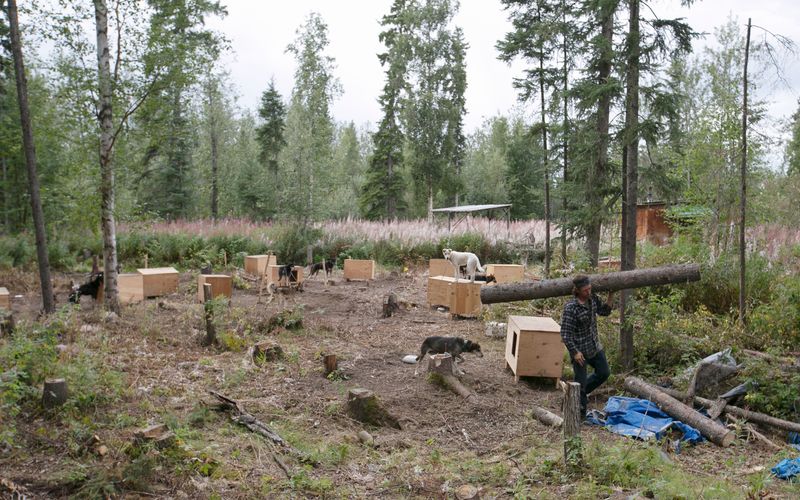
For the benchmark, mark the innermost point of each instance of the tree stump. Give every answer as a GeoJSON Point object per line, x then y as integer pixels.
{"type": "Point", "coordinates": [211, 331]}
{"type": "Point", "coordinates": [363, 405]}
{"type": "Point", "coordinates": [266, 351]}
{"type": "Point", "coordinates": [6, 324]}
{"type": "Point", "coordinates": [573, 455]}
{"type": "Point", "coordinates": [443, 367]}
{"type": "Point", "coordinates": [157, 434]}
{"type": "Point", "coordinates": [55, 393]}
{"type": "Point", "coordinates": [331, 365]}
{"type": "Point", "coordinates": [390, 305]}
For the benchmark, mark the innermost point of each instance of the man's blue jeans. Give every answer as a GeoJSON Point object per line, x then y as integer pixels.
{"type": "Point", "coordinates": [595, 380]}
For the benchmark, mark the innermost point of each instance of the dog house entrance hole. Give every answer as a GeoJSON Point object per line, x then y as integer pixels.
{"type": "Point", "coordinates": [514, 344]}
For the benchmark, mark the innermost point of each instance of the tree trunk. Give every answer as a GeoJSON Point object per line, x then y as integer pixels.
{"type": "Point", "coordinates": [547, 417]}
{"type": "Point", "coordinates": [572, 425]}
{"type": "Point", "coordinates": [430, 200]}
{"type": "Point", "coordinates": [743, 194]}
{"type": "Point", "coordinates": [565, 144]}
{"type": "Point", "coordinates": [214, 156]}
{"type": "Point", "coordinates": [391, 202]}
{"type": "Point", "coordinates": [631, 177]}
{"type": "Point", "coordinates": [715, 433]}
{"type": "Point", "coordinates": [546, 171]}
{"type": "Point", "coordinates": [751, 416]}
{"type": "Point", "coordinates": [211, 330]}
{"type": "Point", "coordinates": [48, 301]}
{"type": "Point", "coordinates": [682, 273]}
{"type": "Point", "coordinates": [6, 225]}
{"type": "Point", "coordinates": [599, 172]}
{"type": "Point", "coordinates": [106, 168]}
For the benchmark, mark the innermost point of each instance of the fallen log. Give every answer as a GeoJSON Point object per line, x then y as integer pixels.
{"type": "Point", "coordinates": [714, 432]}
{"type": "Point", "coordinates": [751, 416]}
{"type": "Point", "coordinates": [240, 416]}
{"type": "Point", "coordinates": [607, 282]}
{"type": "Point", "coordinates": [547, 417]}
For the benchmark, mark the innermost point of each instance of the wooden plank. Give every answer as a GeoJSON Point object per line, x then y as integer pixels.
{"type": "Point", "coordinates": [158, 281]}
{"type": "Point", "coordinates": [440, 267]}
{"type": "Point", "coordinates": [506, 273]}
{"type": "Point", "coordinates": [257, 264]}
{"type": "Point", "coordinates": [355, 269]}
{"type": "Point", "coordinates": [221, 285]}
{"type": "Point", "coordinates": [130, 287]}
{"type": "Point", "coordinates": [5, 298]}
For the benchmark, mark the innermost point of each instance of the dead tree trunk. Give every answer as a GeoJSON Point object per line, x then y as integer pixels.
{"type": "Point", "coordinates": [714, 432]}
{"type": "Point", "coordinates": [48, 301]}
{"type": "Point", "coordinates": [621, 280]}
{"type": "Point", "coordinates": [547, 417]}
{"type": "Point", "coordinates": [572, 424]}
{"type": "Point", "coordinates": [751, 416]}
{"type": "Point", "coordinates": [211, 331]}
{"type": "Point", "coordinates": [743, 190]}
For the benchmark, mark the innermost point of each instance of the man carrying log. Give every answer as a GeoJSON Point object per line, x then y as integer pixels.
{"type": "Point", "coordinates": [579, 333]}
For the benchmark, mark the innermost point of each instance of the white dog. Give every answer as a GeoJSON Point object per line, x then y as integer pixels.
{"type": "Point", "coordinates": [458, 259]}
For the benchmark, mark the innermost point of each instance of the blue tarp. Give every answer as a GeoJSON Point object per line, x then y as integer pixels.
{"type": "Point", "coordinates": [787, 468]}
{"type": "Point", "coordinates": [643, 419]}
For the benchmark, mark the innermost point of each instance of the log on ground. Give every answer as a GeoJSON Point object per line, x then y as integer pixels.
{"type": "Point", "coordinates": [547, 417]}
{"type": "Point", "coordinates": [443, 367]}
{"type": "Point", "coordinates": [622, 280]}
{"type": "Point", "coordinates": [714, 432]}
{"type": "Point", "coordinates": [752, 416]}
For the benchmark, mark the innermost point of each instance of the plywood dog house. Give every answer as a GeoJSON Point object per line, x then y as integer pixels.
{"type": "Point", "coordinates": [257, 264]}
{"type": "Point", "coordinates": [440, 267]}
{"type": "Point", "coordinates": [460, 296]}
{"type": "Point", "coordinates": [221, 285]}
{"type": "Point", "coordinates": [534, 347]}
{"type": "Point", "coordinates": [506, 273]}
{"type": "Point", "coordinates": [5, 298]}
{"type": "Point", "coordinates": [273, 273]}
{"type": "Point", "coordinates": [359, 270]}
{"type": "Point", "coordinates": [147, 282]}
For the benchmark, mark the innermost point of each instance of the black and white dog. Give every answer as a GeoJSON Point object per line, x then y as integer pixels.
{"type": "Point", "coordinates": [287, 272]}
{"type": "Point", "coordinates": [91, 287]}
{"type": "Point", "coordinates": [452, 345]}
{"type": "Point", "coordinates": [327, 266]}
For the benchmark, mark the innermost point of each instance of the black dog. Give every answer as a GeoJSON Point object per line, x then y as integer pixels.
{"type": "Point", "coordinates": [453, 345]}
{"type": "Point", "coordinates": [287, 272]}
{"type": "Point", "coordinates": [486, 278]}
{"type": "Point", "coordinates": [89, 288]}
{"type": "Point", "coordinates": [318, 266]}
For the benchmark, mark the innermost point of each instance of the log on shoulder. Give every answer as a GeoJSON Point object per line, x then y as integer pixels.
{"type": "Point", "coordinates": [622, 280]}
{"type": "Point", "coordinates": [714, 432]}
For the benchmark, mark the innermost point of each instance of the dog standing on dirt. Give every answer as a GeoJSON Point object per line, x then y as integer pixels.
{"type": "Point", "coordinates": [468, 259]}
{"type": "Point", "coordinates": [287, 272]}
{"type": "Point", "coordinates": [91, 287]}
{"type": "Point", "coordinates": [327, 266]}
{"type": "Point", "coordinates": [452, 345]}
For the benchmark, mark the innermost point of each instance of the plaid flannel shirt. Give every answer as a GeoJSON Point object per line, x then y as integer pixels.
{"type": "Point", "coordinates": [579, 326]}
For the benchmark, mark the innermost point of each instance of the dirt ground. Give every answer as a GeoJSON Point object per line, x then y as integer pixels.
{"type": "Point", "coordinates": [444, 442]}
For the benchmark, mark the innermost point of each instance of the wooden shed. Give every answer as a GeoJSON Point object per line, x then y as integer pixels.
{"type": "Point", "coordinates": [650, 223]}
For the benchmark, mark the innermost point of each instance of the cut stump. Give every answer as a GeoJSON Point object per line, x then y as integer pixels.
{"type": "Point", "coordinates": [55, 393]}
{"type": "Point", "coordinates": [364, 406]}
{"type": "Point", "coordinates": [266, 351]}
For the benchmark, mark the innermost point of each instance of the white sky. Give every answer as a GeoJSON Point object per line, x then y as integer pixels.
{"type": "Point", "coordinates": [259, 32]}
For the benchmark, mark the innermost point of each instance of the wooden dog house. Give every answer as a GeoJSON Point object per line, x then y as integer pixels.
{"type": "Point", "coordinates": [506, 273]}
{"type": "Point", "coordinates": [461, 297]}
{"type": "Point", "coordinates": [440, 267]}
{"type": "Point", "coordinates": [273, 271]}
{"type": "Point", "coordinates": [158, 281]}
{"type": "Point", "coordinates": [130, 287]}
{"type": "Point", "coordinates": [257, 264]}
{"type": "Point", "coordinates": [534, 347]}
{"type": "Point", "coordinates": [5, 298]}
{"type": "Point", "coordinates": [221, 285]}
{"type": "Point", "coordinates": [359, 270]}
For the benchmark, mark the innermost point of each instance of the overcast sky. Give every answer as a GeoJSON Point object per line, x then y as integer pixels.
{"type": "Point", "coordinates": [259, 32]}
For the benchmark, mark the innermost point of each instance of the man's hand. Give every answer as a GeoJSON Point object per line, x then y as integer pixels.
{"type": "Point", "coordinates": [579, 358]}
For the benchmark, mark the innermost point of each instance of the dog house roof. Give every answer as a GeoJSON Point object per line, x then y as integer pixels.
{"type": "Point", "coordinates": [471, 208]}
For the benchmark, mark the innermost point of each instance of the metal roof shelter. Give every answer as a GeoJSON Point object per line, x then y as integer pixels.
{"type": "Point", "coordinates": [465, 210]}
